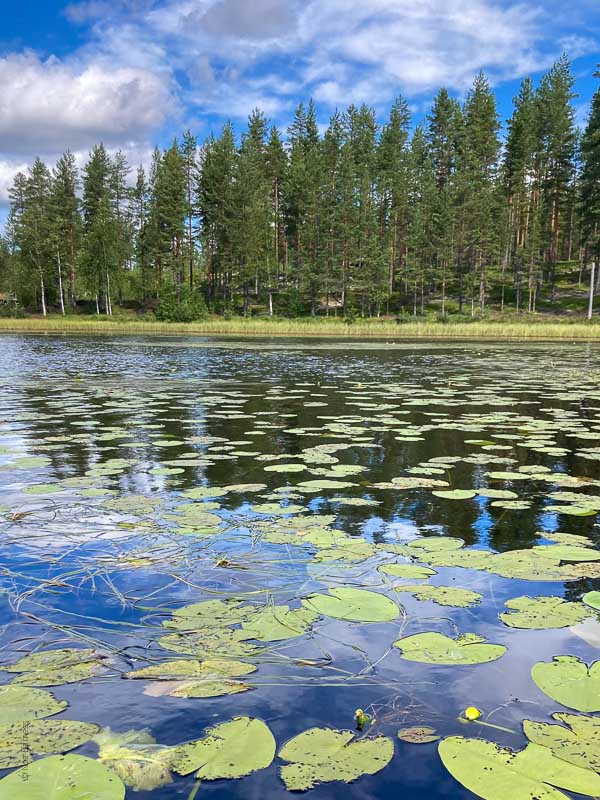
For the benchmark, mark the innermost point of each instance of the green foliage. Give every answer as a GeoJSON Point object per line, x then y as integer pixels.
{"type": "Point", "coordinates": [181, 305]}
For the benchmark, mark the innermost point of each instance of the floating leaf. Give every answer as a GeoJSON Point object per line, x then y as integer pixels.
{"type": "Point", "coordinates": [218, 642]}
{"type": "Point", "coordinates": [579, 743]}
{"type": "Point", "coordinates": [275, 623]}
{"type": "Point", "coordinates": [443, 595]}
{"type": "Point", "coordinates": [52, 659]}
{"type": "Point", "coordinates": [208, 614]}
{"type": "Point", "coordinates": [229, 750]}
{"type": "Point", "coordinates": [418, 735]}
{"type": "Point", "coordinates": [435, 648]}
{"type": "Point", "coordinates": [568, 680]}
{"type": "Point", "coordinates": [495, 773]}
{"type": "Point", "coordinates": [407, 571]}
{"type": "Point", "coordinates": [592, 599]}
{"type": "Point", "coordinates": [207, 688]}
{"type": "Point", "coordinates": [62, 778]}
{"type": "Point", "coordinates": [57, 677]}
{"type": "Point", "coordinates": [19, 740]}
{"type": "Point", "coordinates": [564, 552]}
{"type": "Point", "coordinates": [188, 668]}
{"type": "Point", "coordinates": [455, 494]}
{"type": "Point", "coordinates": [321, 755]}
{"type": "Point", "coordinates": [355, 605]}
{"type": "Point", "coordinates": [20, 703]}
{"type": "Point", "coordinates": [543, 613]}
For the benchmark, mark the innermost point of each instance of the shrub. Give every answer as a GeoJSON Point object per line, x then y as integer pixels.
{"type": "Point", "coordinates": [181, 306]}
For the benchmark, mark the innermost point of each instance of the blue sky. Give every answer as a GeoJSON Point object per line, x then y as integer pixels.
{"type": "Point", "coordinates": [132, 73]}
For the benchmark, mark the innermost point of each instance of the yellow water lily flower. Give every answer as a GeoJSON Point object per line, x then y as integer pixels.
{"type": "Point", "coordinates": [471, 713]}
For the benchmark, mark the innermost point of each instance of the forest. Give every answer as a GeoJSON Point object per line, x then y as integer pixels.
{"type": "Point", "coordinates": [357, 219]}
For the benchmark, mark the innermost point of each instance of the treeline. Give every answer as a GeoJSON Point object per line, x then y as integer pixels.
{"type": "Point", "coordinates": [364, 218]}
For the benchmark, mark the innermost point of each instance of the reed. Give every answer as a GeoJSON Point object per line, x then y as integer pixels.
{"type": "Point", "coordinates": [238, 326]}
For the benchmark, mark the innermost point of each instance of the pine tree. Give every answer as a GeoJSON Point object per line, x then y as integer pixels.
{"type": "Point", "coordinates": [66, 224]}
{"type": "Point", "coordinates": [556, 152]}
{"type": "Point", "coordinates": [276, 167]}
{"type": "Point", "coordinates": [252, 208]}
{"type": "Point", "coordinates": [100, 250]}
{"type": "Point", "coordinates": [589, 181]}
{"type": "Point", "coordinates": [189, 154]}
{"type": "Point", "coordinates": [215, 202]}
{"type": "Point", "coordinates": [478, 162]}
{"type": "Point", "coordinates": [392, 189]}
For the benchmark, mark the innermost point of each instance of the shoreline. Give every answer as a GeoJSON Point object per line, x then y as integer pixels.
{"type": "Point", "coordinates": [320, 328]}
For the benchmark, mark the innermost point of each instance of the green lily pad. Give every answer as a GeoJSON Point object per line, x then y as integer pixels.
{"type": "Point", "coordinates": [208, 688]}
{"type": "Point", "coordinates": [543, 613]}
{"type": "Point", "coordinates": [208, 614]}
{"type": "Point", "coordinates": [321, 755]}
{"type": "Point", "coordinates": [189, 668]}
{"type": "Point", "coordinates": [215, 643]}
{"type": "Point", "coordinates": [435, 648]}
{"type": "Point", "coordinates": [275, 623]}
{"type": "Point", "coordinates": [443, 595]}
{"type": "Point", "coordinates": [495, 773]}
{"type": "Point", "coordinates": [579, 743]}
{"type": "Point", "coordinates": [564, 552]}
{"type": "Point", "coordinates": [52, 659]}
{"type": "Point", "coordinates": [355, 605]}
{"type": "Point", "coordinates": [570, 682]}
{"type": "Point", "coordinates": [592, 599]}
{"type": "Point", "coordinates": [455, 494]}
{"type": "Point", "coordinates": [275, 508]}
{"type": "Point", "coordinates": [433, 544]}
{"type": "Point", "coordinates": [62, 778]}
{"type": "Point", "coordinates": [229, 750]}
{"type": "Point", "coordinates": [407, 571]}
{"type": "Point", "coordinates": [19, 740]}
{"type": "Point", "coordinates": [418, 734]}
{"type": "Point", "coordinates": [72, 673]}
{"type": "Point", "coordinates": [21, 702]}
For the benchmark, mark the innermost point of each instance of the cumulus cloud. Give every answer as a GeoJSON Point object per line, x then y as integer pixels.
{"type": "Point", "coordinates": [49, 105]}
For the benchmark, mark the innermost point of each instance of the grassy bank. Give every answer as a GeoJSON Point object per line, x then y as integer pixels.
{"type": "Point", "coordinates": [503, 328]}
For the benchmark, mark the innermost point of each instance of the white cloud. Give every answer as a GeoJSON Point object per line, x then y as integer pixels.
{"type": "Point", "coordinates": [51, 105]}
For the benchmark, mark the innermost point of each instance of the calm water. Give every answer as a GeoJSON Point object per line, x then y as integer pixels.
{"type": "Point", "coordinates": [117, 413]}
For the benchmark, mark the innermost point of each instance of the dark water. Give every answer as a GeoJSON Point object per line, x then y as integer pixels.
{"type": "Point", "coordinates": [72, 574]}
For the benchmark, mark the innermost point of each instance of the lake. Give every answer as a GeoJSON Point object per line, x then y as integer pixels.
{"type": "Point", "coordinates": [314, 493]}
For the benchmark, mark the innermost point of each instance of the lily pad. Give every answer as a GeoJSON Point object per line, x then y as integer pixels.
{"type": "Point", "coordinates": [19, 740]}
{"type": "Point", "coordinates": [454, 494]}
{"type": "Point", "coordinates": [495, 773]}
{"type": "Point", "coordinates": [418, 734]}
{"type": "Point", "coordinates": [321, 755]}
{"type": "Point", "coordinates": [413, 571]}
{"type": "Point", "coordinates": [275, 623]}
{"type": "Point", "coordinates": [543, 613]}
{"type": "Point", "coordinates": [579, 743]}
{"type": "Point", "coordinates": [592, 599]}
{"type": "Point", "coordinates": [20, 703]}
{"type": "Point", "coordinates": [570, 682]}
{"type": "Point", "coordinates": [229, 750]}
{"type": "Point", "coordinates": [435, 648]}
{"type": "Point", "coordinates": [355, 605]}
{"type": "Point", "coordinates": [189, 668]}
{"type": "Point", "coordinates": [443, 595]}
{"type": "Point", "coordinates": [62, 778]}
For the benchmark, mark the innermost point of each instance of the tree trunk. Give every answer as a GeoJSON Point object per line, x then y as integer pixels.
{"type": "Point", "coordinates": [108, 303]}
{"type": "Point", "coordinates": [592, 287]}
{"type": "Point", "coordinates": [43, 294]}
{"type": "Point", "coordinates": [60, 284]}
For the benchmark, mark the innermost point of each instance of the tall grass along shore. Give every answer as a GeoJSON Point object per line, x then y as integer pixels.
{"type": "Point", "coordinates": [239, 326]}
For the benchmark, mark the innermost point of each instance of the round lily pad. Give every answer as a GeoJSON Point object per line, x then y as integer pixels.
{"type": "Point", "coordinates": [435, 648]}
{"type": "Point", "coordinates": [355, 605]}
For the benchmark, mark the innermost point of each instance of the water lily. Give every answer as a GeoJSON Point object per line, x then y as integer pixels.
{"type": "Point", "coordinates": [471, 713]}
